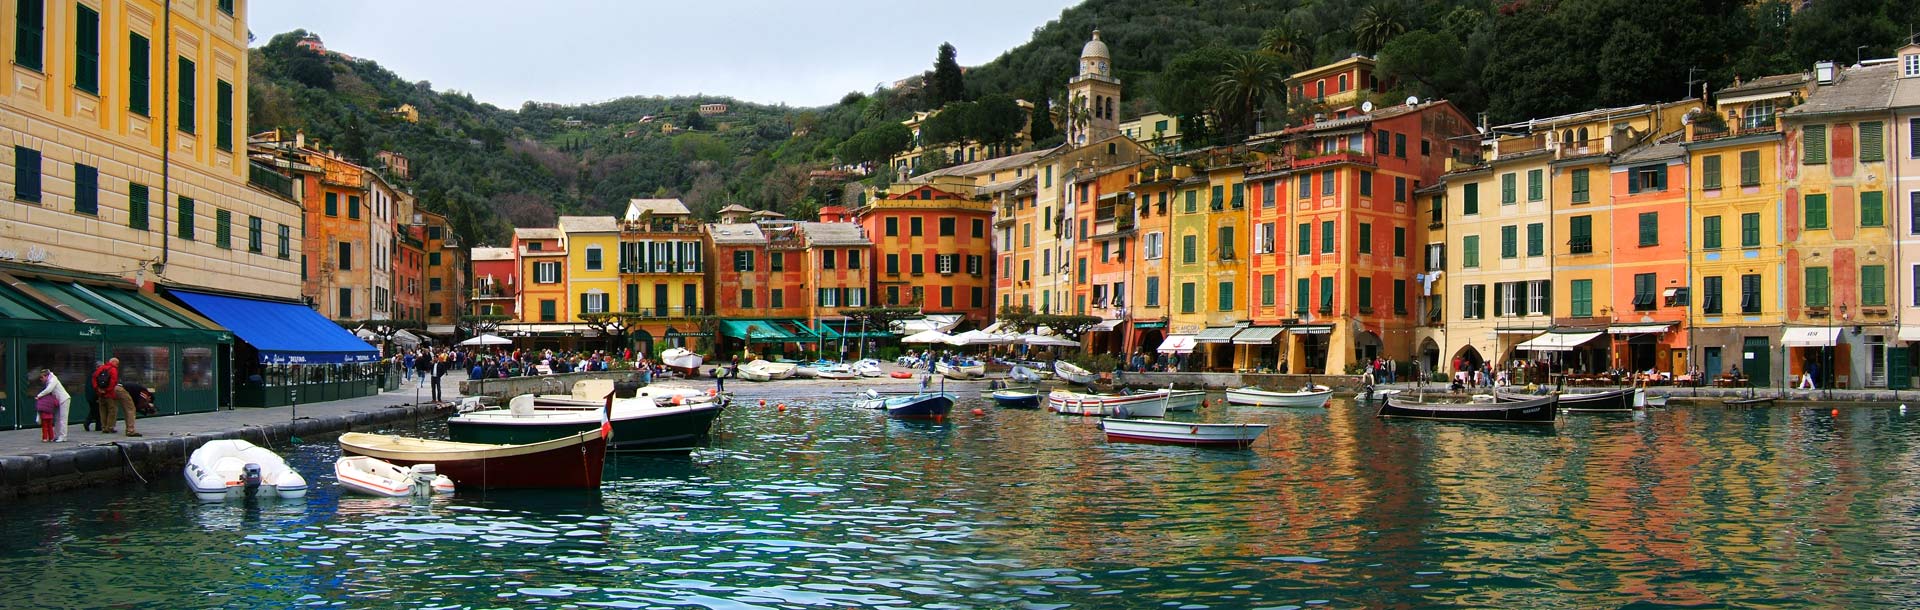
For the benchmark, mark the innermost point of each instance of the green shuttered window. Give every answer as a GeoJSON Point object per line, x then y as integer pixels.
{"type": "Point", "coordinates": [86, 49]}
{"type": "Point", "coordinates": [1873, 209]}
{"type": "Point", "coordinates": [1813, 144]}
{"type": "Point", "coordinates": [138, 65]}
{"type": "Point", "coordinates": [1816, 210]}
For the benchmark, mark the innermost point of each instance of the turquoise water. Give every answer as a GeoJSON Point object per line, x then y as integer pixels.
{"type": "Point", "coordinates": [824, 506]}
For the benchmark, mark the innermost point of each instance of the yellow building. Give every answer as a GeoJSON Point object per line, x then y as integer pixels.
{"type": "Point", "coordinates": [1159, 132]}
{"type": "Point", "coordinates": [85, 95]}
{"type": "Point", "coordinates": [541, 258]}
{"type": "Point", "coordinates": [1223, 239]}
{"type": "Point", "coordinates": [662, 265]}
{"type": "Point", "coordinates": [593, 279]}
{"type": "Point", "coordinates": [1154, 190]}
{"type": "Point", "coordinates": [1337, 85]}
{"type": "Point", "coordinates": [1430, 286]}
{"type": "Point", "coordinates": [1500, 230]}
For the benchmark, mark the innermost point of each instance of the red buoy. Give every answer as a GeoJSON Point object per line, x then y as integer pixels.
{"type": "Point", "coordinates": [979, 412]}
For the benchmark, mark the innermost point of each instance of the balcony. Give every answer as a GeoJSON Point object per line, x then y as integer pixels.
{"type": "Point", "coordinates": [1338, 156]}
{"type": "Point", "coordinates": [658, 226]}
{"type": "Point", "coordinates": [660, 268]}
{"type": "Point", "coordinates": [1709, 129]}
{"type": "Point", "coordinates": [274, 182]}
{"type": "Point", "coordinates": [1506, 147]}
{"type": "Point", "coordinates": [666, 312]}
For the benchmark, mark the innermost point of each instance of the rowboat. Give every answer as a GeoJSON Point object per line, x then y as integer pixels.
{"type": "Point", "coordinates": [1762, 401]}
{"type": "Point", "coordinates": [1022, 374]}
{"type": "Point", "coordinates": [1533, 411]}
{"type": "Point", "coordinates": [365, 475]}
{"type": "Point", "coordinates": [1655, 401]}
{"type": "Point", "coordinates": [1182, 400]}
{"type": "Point", "coordinates": [961, 370]}
{"type": "Point", "coordinates": [1016, 398]}
{"type": "Point", "coordinates": [1072, 373]}
{"type": "Point", "coordinates": [761, 370]}
{"type": "Point", "coordinates": [1374, 396]}
{"type": "Point", "coordinates": [1620, 400]}
{"type": "Point", "coordinates": [868, 368]}
{"type": "Point", "coordinates": [652, 420]}
{"type": "Point", "coordinates": [682, 360]}
{"type": "Point", "coordinates": [837, 371]}
{"type": "Point", "coordinates": [1161, 432]}
{"type": "Point", "coordinates": [1312, 396]}
{"type": "Point", "coordinates": [568, 462]}
{"type": "Point", "coordinates": [231, 469]}
{"type": "Point", "coordinates": [934, 405]}
{"type": "Point", "coordinates": [1151, 404]}
{"type": "Point", "coordinates": [806, 371]}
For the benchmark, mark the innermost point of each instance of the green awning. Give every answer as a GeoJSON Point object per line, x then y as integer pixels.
{"type": "Point", "coordinates": [799, 331]}
{"type": "Point", "coordinates": [826, 331]}
{"type": "Point", "coordinates": [17, 306]}
{"type": "Point", "coordinates": [756, 331]}
{"type": "Point", "coordinates": [112, 305]}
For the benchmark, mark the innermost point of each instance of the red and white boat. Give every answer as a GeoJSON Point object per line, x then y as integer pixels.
{"type": "Point", "coordinates": [1153, 404]}
{"type": "Point", "coordinates": [1161, 432]}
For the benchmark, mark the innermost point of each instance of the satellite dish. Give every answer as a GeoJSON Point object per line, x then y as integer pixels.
{"type": "Point", "coordinates": [1366, 106]}
{"type": "Point", "coordinates": [1413, 100]}
{"type": "Point", "coordinates": [1686, 119]}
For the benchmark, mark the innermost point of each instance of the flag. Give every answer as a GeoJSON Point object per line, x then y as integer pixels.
{"type": "Point", "coordinates": [606, 418]}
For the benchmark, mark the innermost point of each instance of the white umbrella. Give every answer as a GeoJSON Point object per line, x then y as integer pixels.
{"type": "Point", "coordinates": [486, 340]}
{"type": "Point", "coordinates": [406, 339]}
{"type": "Point", "coordinates": [928, 336]}
{"type": "Point", "coordinates": [978, 337]}
{"type": "Point", "coordinates": [1046, 341]}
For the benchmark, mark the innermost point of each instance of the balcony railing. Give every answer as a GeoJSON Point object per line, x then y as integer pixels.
{"type": "Point", "coordinates": [667, 312]}
{"type": "Point", "coordinates": [659, 225]}
{"type": "Point", "coordinates": [661, 267]}
{"type": "Point", "coordinates": [264, 177]}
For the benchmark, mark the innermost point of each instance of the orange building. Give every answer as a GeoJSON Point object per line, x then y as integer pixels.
{"type": "Point", "coordinates": [337, 255]}
{"type": "Point", "coordinates": [445, 273]}
{"type": "Point", "coordinates": [1148, 295]}
{"type": "Point", "coordinates": [409, 273]}
{"type": "Point", "coordinates": [1104, 212]}
{"type": "Point", "coordinates": [934, 248]}
{"type": "Point", "coordinates": [839, 258]}
{"type": "Point", "coordinates": [1650, 276]}
{"type": "Point", "coordinates": [758, 284]}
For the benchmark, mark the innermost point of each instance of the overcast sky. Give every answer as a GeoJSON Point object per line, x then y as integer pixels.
{"type": "Point", "coordinates": [573, 51]}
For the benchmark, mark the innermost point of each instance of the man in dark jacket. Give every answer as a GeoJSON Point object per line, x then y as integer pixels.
{"type": "Point", "coordinates": [439, 369]}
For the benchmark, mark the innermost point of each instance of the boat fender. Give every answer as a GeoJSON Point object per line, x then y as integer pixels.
{"type": "Point", "coordinates": [676, 400]}
{"type": "Point", "coordinates": [783, 407]}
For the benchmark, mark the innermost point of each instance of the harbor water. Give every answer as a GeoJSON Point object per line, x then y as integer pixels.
{"type": "Point", "coordinates": [822, 505]}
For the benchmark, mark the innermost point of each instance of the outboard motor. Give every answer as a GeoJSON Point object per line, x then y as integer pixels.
{"type": "Point", "coordinates": [626, 389]}
{"type": "Point", "coordinates": [250, 479]}
{"type": "Point", "coordinates": [423, 475]}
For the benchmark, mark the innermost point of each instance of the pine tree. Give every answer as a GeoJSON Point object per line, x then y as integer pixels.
{"type": "Point", "coordinates": [946, 84]}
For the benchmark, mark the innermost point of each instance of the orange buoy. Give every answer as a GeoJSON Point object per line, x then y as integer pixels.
{"type": "Point", "coordinates": [782, 407]}
{"type": "Point", "coordinates": [763, 402]}
{"type": "Point", "coordinates": [1836, 412]}
{"type": "Point", "coordinates": [979, 412]}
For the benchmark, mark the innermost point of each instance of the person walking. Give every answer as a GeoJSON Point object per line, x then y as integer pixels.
{"type": "Point", "coordinates": [52, 405]}
{"type": "Point", "coordinates": [406, 366]}
{"type": "Point", "coordinates": [114, 400]}
{"type": "Point", "coordinates": [439, 370]}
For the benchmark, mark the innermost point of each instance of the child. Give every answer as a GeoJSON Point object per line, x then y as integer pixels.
{"type": "Point", "coordinates": [51, 407]}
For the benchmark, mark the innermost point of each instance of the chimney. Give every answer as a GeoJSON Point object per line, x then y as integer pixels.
{"type": "Point", "coordinates": [300, 138]}
{"type": "Point", "coordinates": [1823, 72]}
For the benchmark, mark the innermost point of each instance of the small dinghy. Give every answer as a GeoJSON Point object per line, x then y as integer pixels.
{"type": "Point", "coordinates": [1159, 432]}
{"type": "Point", "coordinates": [1021, 374]}
{"type": "Point", "coordinates": [1181, 400]}
{"type": "Point", "coordinates": [961, 370]}
{"type": "Point", "coordinates": [900, 375]}
{"type": "Point", "coordinates": [362, 474]}
{"type": "Point", "coordinates": [1533, 411]}
{"type": "Point", "coordinates": [682, 360]}
{"type": "Point", "coordinates": [231, 468]}
{"type": "Point", "coordinates": [868, 368]}
{"type": "Point", "coordinates": [1311, 397]}
{"type": "Point", "coordinates": [933, 405]}
{"type": "Point", "coordinates": [836, 371]}
{"type": "Point", "coordinates": [1073, 374]}
{"type": "Point", "coordinates": [1016, 398]}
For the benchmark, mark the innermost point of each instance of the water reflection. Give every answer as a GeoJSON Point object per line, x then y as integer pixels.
{"type": "Point", "coordinates": [827, 505]}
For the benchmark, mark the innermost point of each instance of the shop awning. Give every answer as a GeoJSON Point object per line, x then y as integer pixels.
{"type": "Point", "coordinates": [1811, 337]}
{"type": "Point", "coordinates": [1639, 329]}
{"type": "Point", "coordinates": [110, 305]}
{"type": "Point", "coordinates": [1217, 334]}
{"type": "Point", "coordinates": [1909, 333]}
{"type": "Point", "coordinates": [799, 331]}
{"type": "Point", "coordinates": [284, 333]}
{"type": "Point", "coordinates": [1144, 325]}
{"type": "Point", "coordinates": [1258, 335]}
{"type": "Point", "coordinates": [440, 329]}
{"type": "Point", "coordinates": [1311, 329]}
{"type": "Point", "coordinates": [756, 331]}
{"type": "Point", "coordinates": [1558, 342]}
{"type": "Point", "coordinates": [1106, 326]}
{"type": "Point", "coordinates": [1177, 344]}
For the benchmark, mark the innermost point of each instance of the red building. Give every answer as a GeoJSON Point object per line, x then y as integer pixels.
{"type": "Point", "coordinates": [757, 284]}
{"type": "Point", "coordinates": [934, 248]}
{"type": "Point", "coordinates": [495, 285]}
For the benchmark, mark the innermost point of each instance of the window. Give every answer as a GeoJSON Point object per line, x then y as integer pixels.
{"type": "Point", "coordinates": [1226, 243]}
{"type": "Point", "coordinates": [1326, 237]}
{"type": "Point", "coordinates": [433, 259]}
{"type": "Point", "coordinates": [1580, 238]}
{"type": "Point", "coordinates": [1750, 230]}
{"type": "Point", "coordinates": [333, 204]}
{"type": "Point", "coordinates": [916, 265]}
{"type": "Point", "coordinates": [1399, 189]}
{"type": "Point", "coordinates": [1710, 295]}
{"type": "Point", "coordinates": [137, 71]}
{"type": "Point", "coordinates": [979, 228]}
{"type": "Point", "coordinates": [1750, 168]}
{"type": "Point", "coordinates": [1508, 189]}
{"type": "Point", "coordinates": [27, 38]}
{"type": "Point", "coordinates": [914, 228]}
{"type": "Point", "coordinates": [546, 272]}
{"type": "Point", "coordinates": [1300, 287]}
{"type": "Point", "coordinates": [742, 260]}
{"type": "Point", "coordinates": [1813, 145]}
{"type": "Point", "coordinates": [1304, 241]}
{"type": "Point", "coordinates": [1470, 197]}
{"type": "Point", "coordinates": [1187, 297]}
{"type": "Point", "coordinates": [1538, 301]}
{"type": "Point", "coordinates": [853, 259]}
{"type": "Point", "coordinates": [1266, 194]}
{"type": "Point", "coordinates": [1580, 192]}
{"type": "Point", "coordinates": [223, 115]}
{"type": "Point", "coordinates": [1266, 290]}
{"type": "Point", "coordinates": [26, 174]}
{"type": "Point", "coordinates": [946, 227]}
{"type": "Point", "coordinates": [223, 229]}
{"type": "Point", "coordinates": [1583, 298]}
{"type": "Point", "coordinates": [186, 95]}
{"type": "Point", "coordinates": [1470, 251]}
{"type": "Point", "coordinates": [1873, 285]}
{"type": "Point", "coordinates": [184, 223]}
{"type": "Point", "coordinates": [1913, 212]}
{"type": "Point", "coordinates": [826, 259]}
{"type": "Point", "coordinates": [594, 258]}
{"type": "Point", "coordinates": [137, 213]}
{"type": "Point", "coordinates": [226, 6]}
{"type": "Point", "coordinates": [434, 285]}
{"type": "Point", "coordinates": [1536, 239]}
{"type": "Point", "coordinates": [1399, 145]}
{"type": "Point", "coordinates": [1816, 210]}
{"type": "Point", "coordinates": [1910, 66]}
{"type": "Point", "coordinates": [86, 49]}
{"type": "Point", "coordinates": [1399, 242]}
{"type": "Point", "coordinates": [1326, 295]}
{"type": "Point", "coordinates": [593, 302]}
{"type": "Point", "coordinates": [1750, 294]}
{"type": "Point", "coordinates": [1710, 172]}
{"type": "Point", "coordinates": [254, 226]}
{"type": "Point", "coordinates": [353, 207]}
{"type": "Point", "coordinates": [1816, 282]}
{"type": "Point", "coordinates": [1710, 232]}
{"type": "Point", "coordinates": [1225, 296]}
{"type": "Point", "coordinates": [776, 298]}
{"type": "Point", "coordinates": [86, 189]}
{"type": "Point", "coordinates": [1872, 209]}
{"type": "Point", "coordinates": [1647, 178]}
{"type": "Point", "coordinates": [1872, 145]}
{"type": "Point", "coordinates": [893, 227]}
{"type": "Point", "coordinates": [1153, 291]}
{"type": "Point", "coordinates": [1189, 249]}
{"type": "Point", "coordinates": [776, 261]}
{"type": "Point", "coordinates": [1366, 183]}
{"type": "Point", "coordinates": [1326, 182]}
{"type": "Point", "coordinates": [1152, 247]}
{"type": "Point", "coordinates": [746, 298]}
{"type": "Point", "coordinates": [286, 242]}
{"type": "Point", "coordinates": [1535, 190]}
{"type": "Point", "coordinates": [1400, 297]}
{"type": "Point", "coordinates": [1366, 238]}
{"type": "Point", "coordinates": [1644, 287]}
{"type": "Point", "coordinates": [1649, 229]}
{"type": "Point", "coordinates": [1306, 185]}
{"type": "Point", "coordinates": [1363, 298]}
{"type": "Point", "coordinates": [1509, 241]}
{"type": "Point", "coordinates": [344, 258]}
{"type": "Point", "coordinates": [1474, 302]}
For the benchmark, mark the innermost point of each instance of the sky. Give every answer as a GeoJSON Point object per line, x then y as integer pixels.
{"type": "Point", "coordinates": [577, 51]}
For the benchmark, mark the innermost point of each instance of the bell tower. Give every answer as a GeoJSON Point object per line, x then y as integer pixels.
{"type": "Point", "coordinates": [1093, 96]}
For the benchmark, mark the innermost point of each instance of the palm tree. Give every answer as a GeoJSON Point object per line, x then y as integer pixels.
{"type": "Point", "coordinates": [1289, 43]}
{"type": "Point", "coordinates": [1072, 112]}
{"type": "Point", "coordinates": [1379, 23]}
{"type": "Point", "coordinates": [1240, 92]}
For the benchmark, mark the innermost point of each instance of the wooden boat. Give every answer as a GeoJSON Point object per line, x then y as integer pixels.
{"type": "Point", "coordinates": [1758, 401]}
{"type": "Point", "coordinates": [1161, 432]}
{"type": "Point", "coordinates": [934, 405]}
{"type": "Point", "coordinates": [568, 462]}
{"type": "Point", "coordinates": [229, 469]}
{"type": "Point", "coordinates": [1182, 400]}
{"type": "Point", "coordinates": [837, 371]}
{"type": "Point", "coordinates": [1620, 400]}
{"type": "Point", "coordinates": [1151, 404]}
{"type": "Point", "coordinates": [365, 475]}
{"type": "Point", "coordinates": [961, 370]}
{"type": "Point", "coordinates": [1312, 396]}
{"type": "Point", "coordinates": [1016, 398]}
{"type": "Point", "coordinates": [1073, 374]}
{"type": "Point", "coordinates": [682, 361]}
{"type": "Point", "coordinates": [1534, 411]}
{"type": "Point", "coordinates": [675, 421]}
{"type": "Point", "coordinates": [761, 370]}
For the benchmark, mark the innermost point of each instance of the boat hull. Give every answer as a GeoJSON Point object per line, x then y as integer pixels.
{"type": "Point", "coordinates": [1016, 400]}
{"type": "Point", "coordinates": [1184, 400]}
{"type": "Point", "coordinates": [658, 429]}
{"type": "Point", "coordinates": [1237, 436]}
{"type": "Point", "coordinates": [1536, 411]}
{"type": "Point", "coordinates": [571, 463]}
{"type": "Point", "coordinates": [1103, 405]}
{"type": "Point", "coordinates": [1621, 400]}
{"type": "Point", "coordinates": [1073, 374]}
{"type": "Point", "coordinates": [1263, 398]}
{"type": "Point", "coordinates": [919, 406]}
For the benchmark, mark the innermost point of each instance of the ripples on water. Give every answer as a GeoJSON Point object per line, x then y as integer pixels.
{"type": "Point", "coordinates": [825, 506]}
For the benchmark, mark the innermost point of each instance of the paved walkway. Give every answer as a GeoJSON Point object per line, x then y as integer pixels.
{"type": "Point", "coordinates": [27, 441]}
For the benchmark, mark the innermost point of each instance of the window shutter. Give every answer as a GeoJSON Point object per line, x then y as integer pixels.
{"type": "Point", "coordinates": [1499, 299]}
{"type": "Point", "coordinates": [1813, 144]}
{"type": "Point", "coordinates": [1872, 145]}
{"type": "Point", "coordinates": [137, 206]}
{"type": "Point", "coordinates": [137, 71]}
{"type": "Point", "coordinates": [86, 189]}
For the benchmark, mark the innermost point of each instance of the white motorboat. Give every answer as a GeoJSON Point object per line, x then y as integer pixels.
{"type": "Point", "coordinates": [1311, 396]}
{"type": "Point", "coordinates": [233, 468]}
{"type": "Point", "coordinates": [836, 371]}
{"type": "Point", "coordinates": [1183, 400]}
{"type": "Point", "coordinates": [681, 358]}
{"type": "Point", "coordinates": [374, 477]}
{"type": "Point", "coordinates": [652, 419]}
{"type": "Point", "coordinates": [869, 368]}
{"type": "Point", "coordinates": [1073, 374]}
{"type": "Point", "coordinates": [1161, 432]}
{"type": "Point", "coordinates": [806, 371]}
{"type": "Point", "coordinates": [761, 370]}
{"type": "Point", "coordinates": [1151, 404]}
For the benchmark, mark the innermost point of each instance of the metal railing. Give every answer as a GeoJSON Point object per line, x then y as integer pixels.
{"type": "Point", "coordinates": [264, 177]}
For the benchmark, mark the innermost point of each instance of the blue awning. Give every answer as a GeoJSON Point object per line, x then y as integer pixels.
{"type": "Point", "coordinates": [285, 333]}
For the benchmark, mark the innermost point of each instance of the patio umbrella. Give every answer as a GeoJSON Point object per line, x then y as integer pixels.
{"type": "Point", "coordinates": [406, 339]}
{"type": "Point", "coordinates": [1047, 341]}
{"type": "Point", "coordinates": [486, 340]}
{"type": "Point", "coordinates": [978, 337]}
{"type": "Point", "coordinates": [928, 336]}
